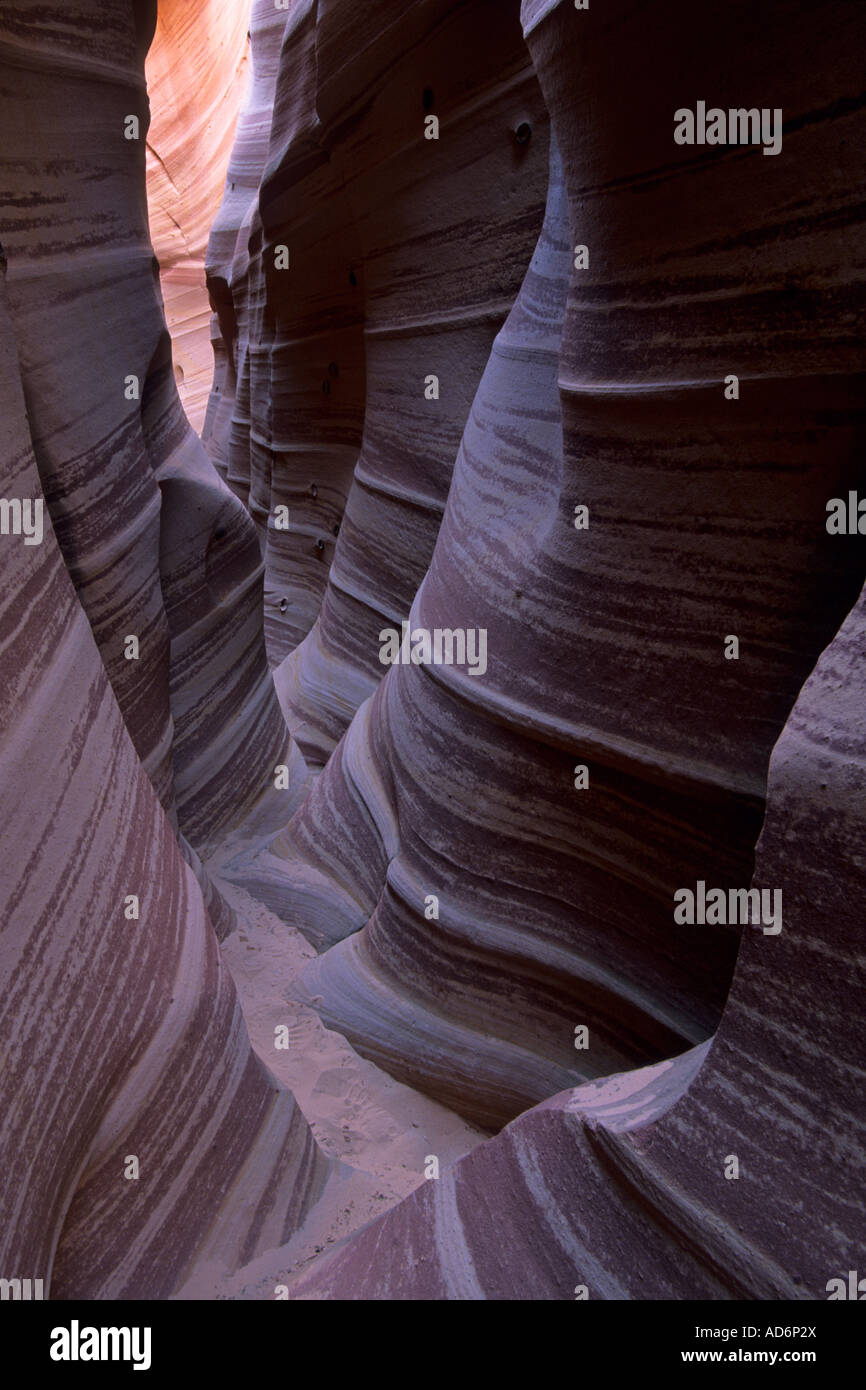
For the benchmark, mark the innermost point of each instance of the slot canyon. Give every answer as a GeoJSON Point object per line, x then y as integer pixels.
{"type": "Point", "coordinates": [433, 633]}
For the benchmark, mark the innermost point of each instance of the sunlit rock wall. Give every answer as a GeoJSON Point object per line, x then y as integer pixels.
{"type": "Point", "coordinates": [196, 71]}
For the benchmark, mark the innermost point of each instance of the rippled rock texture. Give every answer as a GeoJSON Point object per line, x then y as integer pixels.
{"type": "Point", "coordinates": [495, 354]}
{"type": "Point", "coordinates": [626, 1188]}
{"type": "Point", "coordinates": [157, 546]}
{"type": "Point", "coordinates": [489, 860]}
{"type": "Point", "coordinates": [607, 643]}
{"type": "Point", "coordinates": [405, 254]}
{"type": "Point", "coordinates": [120, 1031]}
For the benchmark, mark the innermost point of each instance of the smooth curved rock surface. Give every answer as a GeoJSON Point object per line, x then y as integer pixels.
{"type": "Point", "coordinates": [156, 545]}
{"type": "Point", "coordinates": [618, 1189]}
{"type": "Point", "coordinates": [606, 646]}
{"type": "Point", "coordinates": [475, 906]}
{"type": "Point", "coordinates": [195, 70]}
{"type": "Point", "coordinates": [121, 1037]}
{"type": "Point", "coordinates": [226, 432]}
{"type": "Point", "coordinates": [307, 361]}
{"type": "Point", "coordinates": [393, 278]}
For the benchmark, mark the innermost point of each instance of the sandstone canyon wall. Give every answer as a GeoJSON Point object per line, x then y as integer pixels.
{"type": "Point", "coordinates": [621, 1188]}
{"type": "Point", "coordinates": [195, 70]}
{"type": "Point", "coordinates": [494, 354]}
{"type": "Point", "coordinates": [121, 1032]}
{"type": "Point", "coordinates": [606, 645]}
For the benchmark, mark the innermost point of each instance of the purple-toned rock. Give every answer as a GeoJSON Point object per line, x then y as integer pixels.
{"type": "Point", "coordinates": [735, 1171]}
{"type": "Point", "coordinates": [642, 542]}
{"type": "Point", "coordinates": [140, 1137]}
{"type": "Point", "coordinates": [163, 557]}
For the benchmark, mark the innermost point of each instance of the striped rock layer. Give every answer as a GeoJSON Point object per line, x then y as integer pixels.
{"type": "Point", "coordinates": [157, 546]}
{"type": "Point", "coordinates": [626, 1188]}
{"type": "Point", "coordinates": [603, 388]}
{"type": "Point", "coordinates": [607, 644]}
{"type": "Point", "coordinates": [405, 255]}
{"type": "Point", "coordinates": [121, 1036]}
{"type": "Point", "coordinates": [442, 230]}
{"type": "Point", "coordinates": [307, 353]}
{"type": "Point", "coordinates": [230, 275]}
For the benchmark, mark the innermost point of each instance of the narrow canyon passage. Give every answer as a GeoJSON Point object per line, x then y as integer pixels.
{"type": "Point", "coordinates": [433, 724]}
